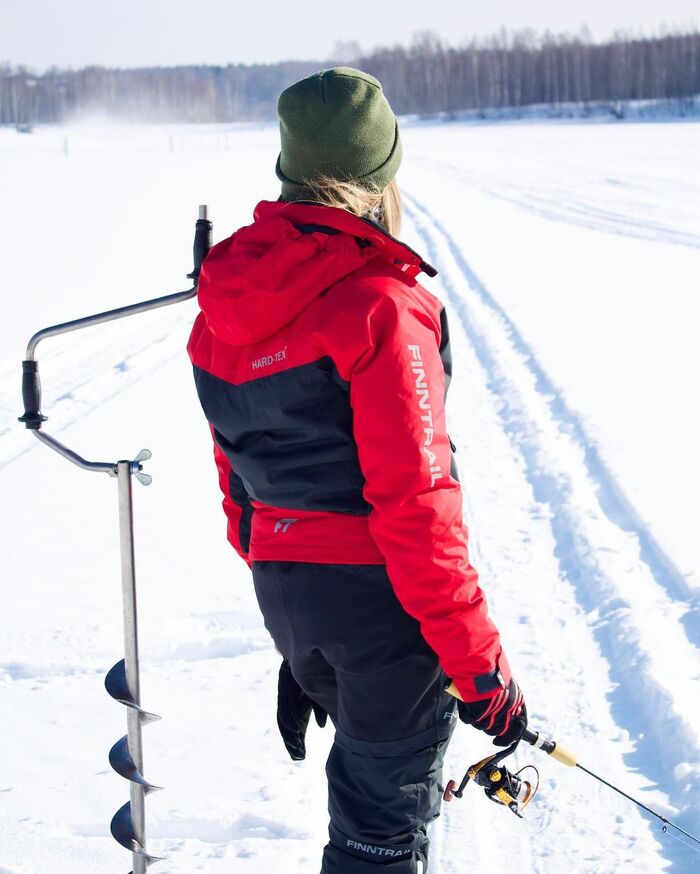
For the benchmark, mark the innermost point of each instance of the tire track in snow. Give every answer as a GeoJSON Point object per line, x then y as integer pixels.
{"type": "Point", "coordinates": [512, 545]}
{"type": "Point", "coordinates": [574, 208]}
{"type": "Point", "coordinates": [598, 535]}
{"type": "Point", "coordinates": [612, 498]}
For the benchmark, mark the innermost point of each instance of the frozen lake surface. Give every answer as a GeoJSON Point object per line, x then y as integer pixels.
{"type": "Point", "coordinates": [569, 259]}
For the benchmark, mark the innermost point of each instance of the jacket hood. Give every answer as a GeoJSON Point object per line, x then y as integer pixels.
{"type": "Point", "coordinates": [260, 279]}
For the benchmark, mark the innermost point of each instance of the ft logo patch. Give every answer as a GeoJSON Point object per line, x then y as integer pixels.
{"type": "Point", "coordinates": [282, 525]}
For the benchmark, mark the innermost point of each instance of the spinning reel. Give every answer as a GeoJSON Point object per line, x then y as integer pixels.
{"type": "Point", "coordinates": [500, 785]}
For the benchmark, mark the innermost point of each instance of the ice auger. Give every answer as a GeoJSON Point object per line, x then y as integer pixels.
{"type": "Point", "coordinates": [122, 681]}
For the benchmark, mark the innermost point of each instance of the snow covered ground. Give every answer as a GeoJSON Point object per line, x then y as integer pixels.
{"type": "Point", "coordinates": [569, 260]}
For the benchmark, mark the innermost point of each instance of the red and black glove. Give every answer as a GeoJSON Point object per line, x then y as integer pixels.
{"type": "Point", "coordinates": [502, 716]}
{"type": "Point", "coordinates": [294, 711]}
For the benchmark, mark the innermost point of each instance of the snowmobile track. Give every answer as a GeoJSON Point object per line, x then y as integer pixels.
{"type": "Point", "coordinates": [617, 570]}
{"type": "Point", "coordinates": [572, 208]}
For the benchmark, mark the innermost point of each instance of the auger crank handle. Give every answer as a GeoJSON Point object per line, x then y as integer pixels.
{"type": "Point", "coordinates": [203, 238]}
{"type": "Point", "coordinates": [33, 418]}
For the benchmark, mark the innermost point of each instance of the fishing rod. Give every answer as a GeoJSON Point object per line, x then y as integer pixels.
{"type": "Point", "coordinates": [566, 757]}
{"type": "Point", "coordinates": [514, 791]}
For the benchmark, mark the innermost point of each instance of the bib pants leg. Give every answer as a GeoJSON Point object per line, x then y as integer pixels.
{"type": "Point", "coordinates": [360, 656]}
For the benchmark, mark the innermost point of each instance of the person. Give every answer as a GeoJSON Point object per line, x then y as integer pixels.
{"type": "Point", "coordinates": [322, 364]}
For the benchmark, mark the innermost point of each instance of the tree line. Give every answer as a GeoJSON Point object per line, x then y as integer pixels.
{"type": "Point", "coordinates": [524, 69]}
{"type": "Point", "coordinates": [429, 76]}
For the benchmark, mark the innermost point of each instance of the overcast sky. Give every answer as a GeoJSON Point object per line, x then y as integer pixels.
{"type": "Point", "coordinates": [74, 33]}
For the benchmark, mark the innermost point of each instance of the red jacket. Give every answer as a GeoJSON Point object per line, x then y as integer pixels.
{"type": "Point", "coordinates": [322, 365]}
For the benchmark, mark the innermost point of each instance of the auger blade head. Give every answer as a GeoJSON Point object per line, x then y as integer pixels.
{"type": "Point", "coordinates": [122, 831]}
{"type": "Point", "coordinates": [117, 686]}
{"type": "Point", "coordinates": [121, 760]}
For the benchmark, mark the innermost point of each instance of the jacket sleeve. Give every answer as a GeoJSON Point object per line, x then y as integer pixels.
{"type": "Point", "coordinates": [397, 391]}
{"type": "Point", "coordinates": [236, 503]}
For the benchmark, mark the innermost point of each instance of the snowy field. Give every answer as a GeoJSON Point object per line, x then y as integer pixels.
{"type": "Point", "coordinates": [569, 259]}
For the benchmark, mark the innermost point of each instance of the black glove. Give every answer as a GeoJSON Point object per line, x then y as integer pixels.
{"type": "Point", "coordinates": [503, 716]}
{"type": "Point", "coordinates": [294, 711]}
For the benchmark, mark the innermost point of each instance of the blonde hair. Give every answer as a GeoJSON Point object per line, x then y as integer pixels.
{"type": "Point", "coordinates": [381, 205]}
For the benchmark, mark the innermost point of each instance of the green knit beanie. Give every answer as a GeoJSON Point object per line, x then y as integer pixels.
{"type": "Point", "coordinates": [336, 123]}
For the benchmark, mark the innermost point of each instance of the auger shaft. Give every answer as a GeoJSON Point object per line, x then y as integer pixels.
{"type": "Point", "coordinates": [131, 655]}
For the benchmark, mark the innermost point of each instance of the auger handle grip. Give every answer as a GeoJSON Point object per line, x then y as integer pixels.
{"type": "Point", "coordinates": [203, 237]}
{"type": "Point", "coordinates": [31, 396]}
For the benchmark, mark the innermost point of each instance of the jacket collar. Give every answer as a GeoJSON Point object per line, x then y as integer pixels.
{"type": "Point", "coordinates": [367, 232]}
